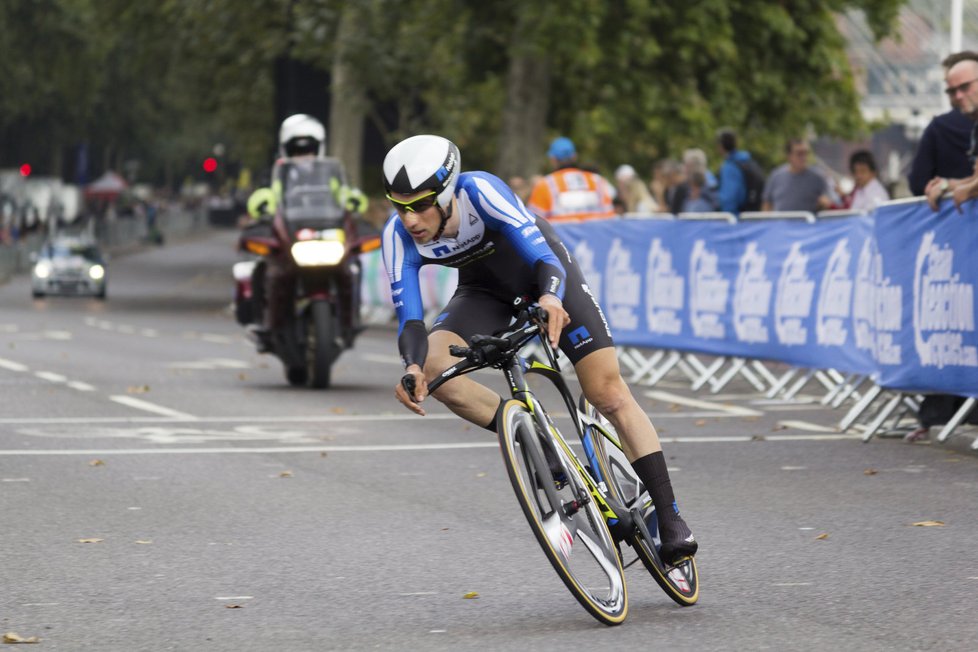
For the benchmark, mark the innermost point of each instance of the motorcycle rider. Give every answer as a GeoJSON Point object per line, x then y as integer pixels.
{"type": "Point", "coordinates": [302, 140]}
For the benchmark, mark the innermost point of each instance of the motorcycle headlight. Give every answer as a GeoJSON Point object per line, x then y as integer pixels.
{"type": "Point", "coordinates": [328, 251]}
{"type": "Point", "coordinates": [96, 272]}
{"type": "Point", "coordinates": [42, 269]}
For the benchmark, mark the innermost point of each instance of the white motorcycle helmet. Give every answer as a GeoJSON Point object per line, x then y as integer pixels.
{"type": "Point", "coordinates": [302, 134]}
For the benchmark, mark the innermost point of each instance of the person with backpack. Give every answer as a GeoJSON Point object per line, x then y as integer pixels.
{"type": "Point", "coordinates": [741, 178]}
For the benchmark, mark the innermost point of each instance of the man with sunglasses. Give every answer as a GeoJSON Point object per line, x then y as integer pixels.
{"type": "Point", "coordinates": [942, 152]}
{"type": "Point", "coordinates": [962, 90]}
{"type": "Point", "coordinates": [474, 222]}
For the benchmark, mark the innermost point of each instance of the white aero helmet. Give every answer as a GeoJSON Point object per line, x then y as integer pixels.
{"type": "Point", "coordinates": [423, 162]}
{"type": "Point", "coordinates": [302, 134]}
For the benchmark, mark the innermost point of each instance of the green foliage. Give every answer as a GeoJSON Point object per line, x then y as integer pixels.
{"type": "Point", "coordinates": [630, 81]}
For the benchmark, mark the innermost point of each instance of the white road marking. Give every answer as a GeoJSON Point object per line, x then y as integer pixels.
{"type": "Point", "coordinates": [319, 418]}
{"type": "Point", "coordinates": [216, 339]}
{"type": "Point", "coordinates": [9, 328]}
{"type": "Point", "coordinates": [419, 593]}
{"type": "Point", "coordinates": [806, 425]}
{"type": "Point", "coordinates": [12, 366]}
{"type": "Point", "coordinates": [390, 448]}
{"type": "Point", "coordinates": [792, 584]}
{"type": "Point", "coordinates": [40, 604]}
{"type": "Point", "coordinates": [140, 404]}
{"type": "Point", "coordinates": [234, 597]}
{"type": "Point", "coordinates": [57, 335]}
{"type": "Point", "coordinates": [210, 364]}
{"type": "Point", "coordinates": [126, 328]}
{"type": "Point", "coordinates": [51, 376]}
{"type": "Point", "coordinates": [669, 397]}
{"type": "Point", "coordinates": [80, 386]}
{"type": "Point", "coordinates": [386, 359]}
{"type": "Point", "coordinates": [15, 480]}
{"type": "Point", "coordinates": [794, 468]}
{"type": "Point", "coordinates": [149, 332]}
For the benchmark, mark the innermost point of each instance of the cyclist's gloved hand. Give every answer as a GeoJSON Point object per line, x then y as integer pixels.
{"type": "Point", "coordinates": [412, 400]}
{"type": "Point", "coordinates": [557, 317]}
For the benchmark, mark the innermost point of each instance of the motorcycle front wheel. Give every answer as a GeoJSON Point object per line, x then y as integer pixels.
{"type": "Point", "coordinates": [321, 349]}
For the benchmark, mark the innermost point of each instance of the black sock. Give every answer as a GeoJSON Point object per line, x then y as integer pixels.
{"type": "Point", "coordinates": [651, 470]}
{"type": "Point", "coordinates": [491, 427]}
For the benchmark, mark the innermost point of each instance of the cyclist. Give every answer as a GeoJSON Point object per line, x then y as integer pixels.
{"type": "Point", "coordinates": [474, 222]}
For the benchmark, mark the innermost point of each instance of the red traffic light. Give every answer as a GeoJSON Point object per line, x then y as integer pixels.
{"type": "Point", "coordinates": [210, 164]}
{"type": "Point", "coordinates": [25, 170]}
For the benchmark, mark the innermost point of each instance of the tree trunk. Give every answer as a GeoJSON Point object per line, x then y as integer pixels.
{"type": "Point", "coordinates": [524, 120]}
{"type": "Point", "coordinates": [348, 101]}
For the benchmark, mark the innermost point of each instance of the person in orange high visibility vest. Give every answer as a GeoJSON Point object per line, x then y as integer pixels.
{"type": "Point", "coordinates": [570, 194]}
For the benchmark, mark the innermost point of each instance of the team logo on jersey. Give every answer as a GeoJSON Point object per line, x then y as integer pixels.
{"type": "Point", "coordinates": [443, 250]}
{"type": "Point", "coordinates": [473, 218]}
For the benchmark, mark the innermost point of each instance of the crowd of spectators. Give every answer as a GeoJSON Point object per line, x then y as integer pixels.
{"type": "Point", "coordinates": [572, 191]}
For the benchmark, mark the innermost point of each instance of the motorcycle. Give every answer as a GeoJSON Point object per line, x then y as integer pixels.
{"type": "Point", "coordinates": [300, 299]}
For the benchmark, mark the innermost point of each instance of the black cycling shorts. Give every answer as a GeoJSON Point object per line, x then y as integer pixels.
{"type": "Point", "coordinates": [474, 309]}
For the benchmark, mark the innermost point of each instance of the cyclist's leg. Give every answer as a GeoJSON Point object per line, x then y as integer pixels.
{"type": "Point", "coordinates": [463, 396]}
{"type": "Point", "coordinates": [604, 387]}
{"type": "Point", "coordinates": [587, 342]}
{"type": "Point", "coordinates": [470, 311]}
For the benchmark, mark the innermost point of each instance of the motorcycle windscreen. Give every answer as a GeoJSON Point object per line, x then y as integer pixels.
{"type": "Point", "coordinates": [310, 192]}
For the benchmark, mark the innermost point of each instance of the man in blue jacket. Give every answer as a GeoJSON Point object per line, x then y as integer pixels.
{"type": "Point", "coordinates": [735, 193]}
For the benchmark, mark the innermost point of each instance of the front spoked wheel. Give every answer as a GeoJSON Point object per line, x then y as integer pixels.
{"type": "Point", "coordinates": [565, 520]}
{"type": "Point", "coordinates": [679, 581]}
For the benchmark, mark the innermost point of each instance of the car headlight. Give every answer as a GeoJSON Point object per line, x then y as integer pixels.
{"type": "Point", "coordinates": [42, 269]}
{"type": "Point", "coordinates": [328, 251]}
{"type": "Point", "coordinates": [96, 272]}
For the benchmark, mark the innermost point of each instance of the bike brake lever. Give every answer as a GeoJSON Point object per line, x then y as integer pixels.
{"type": "Point", "coordinates": [457, 351]}
{"type": "Point", "coordinates": [409, 385]}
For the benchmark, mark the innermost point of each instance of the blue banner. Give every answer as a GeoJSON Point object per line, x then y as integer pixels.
{"type": "Point", "coordinates": [889, 294]}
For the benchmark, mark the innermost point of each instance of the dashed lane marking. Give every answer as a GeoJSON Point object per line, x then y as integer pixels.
{"type": "Point", "coordinates": [80, 386]}
{"type": "Point", "coordinates": [140, 404]}
{"type": "Point", "coordinates": [806, 425]}
{"type": "Point", "coordinates": [51, 376]}
{"type": "Point", "coordinates": [10, 365]}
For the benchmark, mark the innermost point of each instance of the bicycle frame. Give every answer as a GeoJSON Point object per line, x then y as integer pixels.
{"type": "Point", "coordinates": [619, 519]}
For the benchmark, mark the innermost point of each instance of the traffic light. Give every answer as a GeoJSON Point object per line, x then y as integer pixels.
{"type": "Point", "coordinates": [25, 170]}
{"type": "Point", "coordinates": [210, 164]}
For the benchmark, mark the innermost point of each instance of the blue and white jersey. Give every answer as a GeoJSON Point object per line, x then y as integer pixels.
{"type": "Point", "coordinates": [500, 247]}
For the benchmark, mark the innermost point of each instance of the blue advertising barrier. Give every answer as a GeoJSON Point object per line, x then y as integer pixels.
{"type": "Point", "coordinates": [890, 294]}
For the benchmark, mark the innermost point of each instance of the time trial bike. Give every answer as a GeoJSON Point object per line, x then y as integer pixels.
{"type": "Point", "coordinates": [581, 507]}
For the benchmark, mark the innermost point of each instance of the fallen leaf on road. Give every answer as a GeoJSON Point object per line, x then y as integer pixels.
{"type": "Point", "coordinates": [758, 438]}
{"type": "Point", "coordinates": [14, 637]}
{"type": "Point", "coordinates": [242, 376]}
{"type": "Point", "coordinates": [675, 407]}
{"type": "Point", "coordinates": [471, 595]}
{"type": "Point", "coordinates": [823, 536]}
{"type": "Point", "coordinates": [144, 541]}
{"type": "Point", "coordinates": [870, 472]}
{"type": "Point", "coordinates": [285, 474]}
{"type": "Point", "coordinates": [481, 474]}
{"type": "Point", "coordinates": [91, 540]}
{"type": "Point", "coordinates": [780, 426]}
{"type": "Point", "coordinates": [137, 389]}
{"type": "Point", "coordinates": [323, 454]}
{"type": "Point", "coordinates": [929, 524]}
{"type": "Point", "coordinates": [699, 422]}
{"type": "Point", "coordinates": [234, 606]}
{"type": "Point", "coordinates": [96, 463]}
{"type": "Point", "coordinates": [337, 410]}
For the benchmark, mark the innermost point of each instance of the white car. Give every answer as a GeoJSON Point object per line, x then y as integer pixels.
{"type": "Point", "coordinates": [69, 265]}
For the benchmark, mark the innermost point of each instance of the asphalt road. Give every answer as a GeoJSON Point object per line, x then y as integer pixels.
{"type": "Point", "coordinates": [162, 488]}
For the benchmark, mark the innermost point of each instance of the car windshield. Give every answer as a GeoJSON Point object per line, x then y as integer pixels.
{"type": "Point", "coordinates": [309, 191]}
{"type": "Point", "coordinates": [63, 250]}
